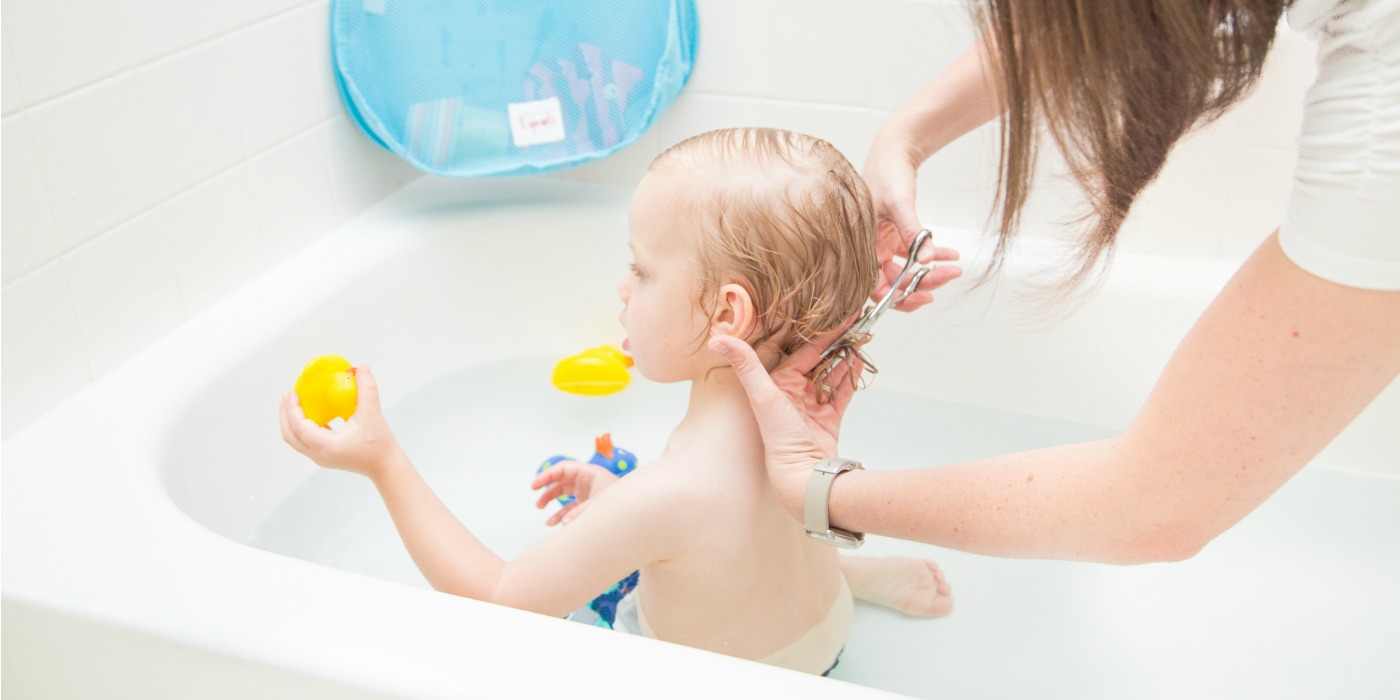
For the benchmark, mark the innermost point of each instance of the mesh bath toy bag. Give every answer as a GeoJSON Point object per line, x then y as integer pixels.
{"type": "Point", "coordinates": [509, 87]}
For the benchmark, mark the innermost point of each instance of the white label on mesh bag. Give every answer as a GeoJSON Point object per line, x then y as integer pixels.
{"type": "Point", "coordinates": [540, 121]}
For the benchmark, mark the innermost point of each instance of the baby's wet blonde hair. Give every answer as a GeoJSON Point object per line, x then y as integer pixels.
{"type": "Point", "coordinates": [787, 217]}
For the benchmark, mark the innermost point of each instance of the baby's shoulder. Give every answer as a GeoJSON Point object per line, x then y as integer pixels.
{"type": "Point", "coordinates": [698, 479]}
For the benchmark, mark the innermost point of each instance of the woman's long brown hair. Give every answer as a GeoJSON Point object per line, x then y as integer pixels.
{"type": "Point", "coordinates": [1115, 84]}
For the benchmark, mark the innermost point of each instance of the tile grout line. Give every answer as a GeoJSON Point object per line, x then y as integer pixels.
{"type": "Point", "coordinates": [324, 121]}
{"type": "Point", "coordinates": [126, 71]}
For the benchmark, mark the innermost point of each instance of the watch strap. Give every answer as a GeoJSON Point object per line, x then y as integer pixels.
{"type": "Point", "coordinates": [816, 514]}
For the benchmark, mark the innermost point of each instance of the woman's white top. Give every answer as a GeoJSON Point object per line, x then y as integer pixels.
{"type": "Point", "coordinates": [1343, 220]}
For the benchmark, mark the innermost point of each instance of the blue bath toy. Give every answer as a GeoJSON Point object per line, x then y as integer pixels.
{"type": "Point", "coordinates": [606, 455]}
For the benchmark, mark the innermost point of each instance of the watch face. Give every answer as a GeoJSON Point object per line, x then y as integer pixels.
{"type": "Point", "coordinates": [846, 540]}
{"type": "Point", "coordinates": [839, 538]}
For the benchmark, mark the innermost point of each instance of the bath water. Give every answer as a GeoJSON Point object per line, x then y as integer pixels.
{"type": "Point", "coordinates": [477, 435]}
{"type": "Point", "coordinates": [1288, 588]}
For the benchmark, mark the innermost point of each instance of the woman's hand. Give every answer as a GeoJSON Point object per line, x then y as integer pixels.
{"type": "Point", "coordinates": [890, 173]}
{"type": "Point", "coordinates": [581, 480]}
{"type": "Point", "coordinates": [798, 428]}
{"type": "Point", "coordinates": [365, 445]}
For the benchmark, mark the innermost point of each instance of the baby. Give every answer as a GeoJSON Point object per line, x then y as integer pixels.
{"type": "Point", "coordinates": [760, 234]}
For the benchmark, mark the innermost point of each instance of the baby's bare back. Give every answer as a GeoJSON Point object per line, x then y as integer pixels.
{"type": "Point", "coordinates": [748, 581]}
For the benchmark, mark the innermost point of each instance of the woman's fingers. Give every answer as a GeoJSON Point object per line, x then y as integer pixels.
{"type": "Point", "coordinates": [843, 391]}
{"type": "Point", "coordinates": [808, 356]}
{"type": "Point", "coordinates": [766, 399]}
{"type": "Point", "coordinates": [939, 276]}
{"type": "Point", "coordinates": [930, 254]}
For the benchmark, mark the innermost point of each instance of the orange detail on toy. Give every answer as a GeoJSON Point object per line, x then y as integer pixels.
{"type": "Point", "coordinates": [603, 445]}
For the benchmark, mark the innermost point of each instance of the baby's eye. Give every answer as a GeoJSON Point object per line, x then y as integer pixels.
{"type": "Point", "coordinates": [635, 270]}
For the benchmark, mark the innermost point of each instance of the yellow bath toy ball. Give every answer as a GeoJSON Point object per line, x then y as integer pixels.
{"type": "Point", "coordinates": [327, 389]}
{"type": "Point", "coordinates": [593, 372]}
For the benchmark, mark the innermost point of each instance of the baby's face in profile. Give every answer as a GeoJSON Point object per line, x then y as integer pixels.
{"type": "Point", "coordinates": [666, 329]}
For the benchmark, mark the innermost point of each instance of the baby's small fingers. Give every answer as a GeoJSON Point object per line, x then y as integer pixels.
{"type": "Point", "coordinates": [367, 388]}
{"type": "Point", "coordinates": [550, 494]}
{"type": "Point", "coordinates": [559, 515]}
{"type": "Point", "coordinates": [284, 416]}
{"type": "Point", "coordinates": [312, 436]}
{"type": "Point", "coordinates": [546, 477]}
{"type": "Point", "coordinates": [572, 511]}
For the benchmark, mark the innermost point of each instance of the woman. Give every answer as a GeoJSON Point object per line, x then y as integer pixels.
{"type": "Point", "coordinates": [1303, 337]}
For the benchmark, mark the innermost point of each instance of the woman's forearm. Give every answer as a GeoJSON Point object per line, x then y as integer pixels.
{"type": "Point", "coordinates": [1273, 370]}
{"type": "Point", "coordinates": [1062, 502]}
{"type": "Point", "coordinates": [960, 99]}
{"type": "Point", "coordinates": [445, 551]}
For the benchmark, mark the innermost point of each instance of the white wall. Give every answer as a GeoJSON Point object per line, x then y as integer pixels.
{"type": "Point", "coordinates": [159, 153]}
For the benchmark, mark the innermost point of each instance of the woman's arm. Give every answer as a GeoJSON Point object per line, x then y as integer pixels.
{"type": "Point", "coordinates": [959, 100]}
{"type": "Point", "coordinates": [962, 98]}
{"type": "Point", "coordinates": [1274, 369]}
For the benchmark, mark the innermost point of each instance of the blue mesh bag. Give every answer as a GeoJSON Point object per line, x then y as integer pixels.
{"type": "Point", "coordinates": [509, 87]}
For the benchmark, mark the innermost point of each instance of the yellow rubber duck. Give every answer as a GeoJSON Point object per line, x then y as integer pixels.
{"type": "Point", "coordinates": [327, 389]}
{"type": "Point", "coordinates": [593, 372]}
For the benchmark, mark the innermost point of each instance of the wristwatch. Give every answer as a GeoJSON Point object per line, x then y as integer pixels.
{"type": "Point", "coordinates": [816, 516]}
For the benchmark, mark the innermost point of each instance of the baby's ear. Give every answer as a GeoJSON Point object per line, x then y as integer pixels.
{"type": "Point", "coordinates": [734, 312]}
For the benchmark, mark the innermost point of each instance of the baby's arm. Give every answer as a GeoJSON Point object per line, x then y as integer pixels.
{"type": "Point", "coordinates": [449, 556]}
{"type": "Point", "coordinates": [633, 523]}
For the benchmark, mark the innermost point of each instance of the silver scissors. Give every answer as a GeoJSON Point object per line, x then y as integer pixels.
{"type": "Point", "coordinates": [899, 291]}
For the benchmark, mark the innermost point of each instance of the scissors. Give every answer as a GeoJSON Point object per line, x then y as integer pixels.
{"type": "Point", "coordinates": [899, 291]}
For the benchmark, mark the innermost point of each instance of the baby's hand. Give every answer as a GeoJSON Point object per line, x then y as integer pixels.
{"type": "Point", "coordinates": [581, 480]}
{"type": "Point", "coordinates": [364, 445]}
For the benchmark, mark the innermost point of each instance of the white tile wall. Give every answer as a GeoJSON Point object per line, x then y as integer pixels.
{"type": "Point", "coordinates": [819, 51]}
{"type": "Point", "coordinates": [125, 289]}
{"type": "Point", "coordinates": [215, 237]}
{"type": "Point", "coordinates": [278, 87]}
{"type": "Point", "coordinates": [29, 239]}
{"type": "Point", "coordinates": [41, 349]}
{"type": "Point", "coordinates": [92, 158]}
{"type": "Point", "coordinates": [158, 154]}
{"type": "Point", "coordinates": [10, 95]}
{"type": "Point", "coordinates": [61, 45]}
{"type": "Point", "coordinates": [912, 41]}
{"type": "Point", "coordinates": [293, 194]}
{"type": "Point", "coordinates": [190, 117]}
{"type": "Point", "coordinates": [137, 134]}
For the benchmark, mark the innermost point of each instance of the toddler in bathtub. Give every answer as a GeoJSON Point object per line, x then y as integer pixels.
{"type": "Point", "coordinates": [761, 234]}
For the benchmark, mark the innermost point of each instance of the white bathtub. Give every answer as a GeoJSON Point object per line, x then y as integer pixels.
{"type": "Point", "coordinates": [131, 512]}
